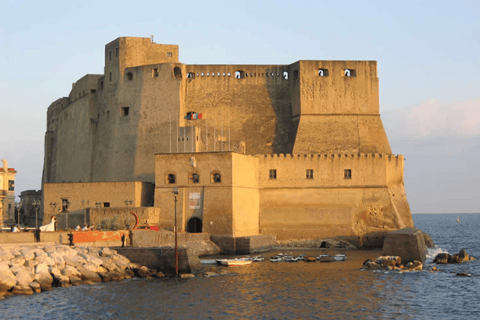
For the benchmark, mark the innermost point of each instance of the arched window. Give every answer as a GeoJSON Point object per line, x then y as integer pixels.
{"type": "Point", "coordinates": [170, 178]}
{"type": "Point", "coordinates": [194, 225]}
{"type": "Point", "coordinates": [190, 75]}
{"type": "Point", "coordinates": [239, 74]}
{"type": "Point", "coordinates": [285, 75]}
{"type": "Point", "coordinates": [194, 178]}
{"type": "Point", "coordinates": [177, 72]}
{"type": "Point", "coordinates": [129, 76]}
{"type": "Point", "coordinates": [350, 73]}
{"type": "Point", "coordinates": [323, 72]}
{"type": "Point", "coordinates": [216, 177]}
{"type": "Point", "coordinates": [295, 74]}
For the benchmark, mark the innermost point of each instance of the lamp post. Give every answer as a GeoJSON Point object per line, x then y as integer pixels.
{"type": "Point", "coordinates": [85, 211]}
{"type": "Point", "coordinates": [18, 205]}
{"type": "Point", "coordinates": [36, 205]}
{"type": "Point", "coordinates": [175, 193]}
{"type": "Point", "coordinates": [66, 204]}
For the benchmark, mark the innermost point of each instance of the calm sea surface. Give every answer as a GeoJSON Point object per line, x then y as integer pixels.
{"type": "Point", "coordinates": [300, 290]}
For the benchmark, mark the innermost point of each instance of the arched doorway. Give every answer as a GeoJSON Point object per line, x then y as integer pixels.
{"type": "Point", "coordinates": [194, 225]}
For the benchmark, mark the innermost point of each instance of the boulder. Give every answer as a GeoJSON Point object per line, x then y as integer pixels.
{"type": "Point", "coordinates": [70, 272]}
{"type": "Point", "coordinates": [94, 268]}
{"type": "Point", "coordinates": [76, 281]}
{"type": "Point", "coordinates": [428, 240]}
{"type": "Point", "coordinates": [105, 252]}
{"type": "Point", "coordinates": [463, 255]}
{"type": "Point", "coordinates": [74, 261]}
{"type": "Point", "coordinates": [22, 289]}
{"type": "Point", "coordinates": [45, 280]}
{"type": "Point", "coordinates": [187, 275]}
{"type": "Point", "coordinates": [441, 258]}
{"type": "Point", "coordinates": [454, 259]}
{"type": "Point", "coordinates": [42, 267]}
{"type": "Point", "coordinates": [28, 254]}
{"type": "Point", "coordinates": [210, 274]}
{"type": "Point", "coordinates": [144, 272]}
{"type": "Point", "coordinates": [106, 277]}
{"type": "Point", "coordinates": [89, 275]}
{"type": "Point", "coordinates": [6, 256]}
{"type": "Point", "coordinates": [20, 261]}
{"type": "Point", "coordinates": [7, 278]}
{"type": "Point", "coordinates": [158, 274]}
{"type": "Point", "coordinates": [61, 281]}
{"type": "Point", "coordinates": [31, 263]}
{"type": "Point", "coordinates": [117, 276]}
{"type": "Point", "coordinates": [24, 277]}
{"type": "Point", "coordinates": [58, 260]}
{"type": "Point", "coordinates": [35, 286]}
{"type": "Point", "coordinates": [128, 273]}
{"type": "Point", "coordinates": [55, 272]}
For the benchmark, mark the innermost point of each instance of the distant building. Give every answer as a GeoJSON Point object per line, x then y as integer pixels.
{"type": "Point", "coordinates": [7, 194]}
{"type": "Point", "coordinates": [293, 151]}
{"type": "Point", "coordinates": [28, 214]}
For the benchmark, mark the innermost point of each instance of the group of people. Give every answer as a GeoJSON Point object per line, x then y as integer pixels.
{"type": "Point", "coordinates": [85, 227]}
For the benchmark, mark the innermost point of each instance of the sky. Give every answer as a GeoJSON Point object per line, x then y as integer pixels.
{"type": "Point", "coordinates": [428, 56]}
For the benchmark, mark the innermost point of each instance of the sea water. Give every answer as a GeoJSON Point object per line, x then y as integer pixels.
{"type": "Point", "coordinates": [266, 290]}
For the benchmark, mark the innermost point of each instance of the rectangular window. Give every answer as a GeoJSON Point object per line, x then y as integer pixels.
{"type": "Point", "coordinates": [110, 53]}
{"type": "Point", "coordinates": [155, 72]}
{"type": "Point", "coordinates": [347, 174]}
{"type": "Point", "coordinates": [11, 185]}
{"type": "Point", "coordinates": [116, 52]}
{"type": "Point", "coordinates": [65, 204]}
{"type": "Point", "coordinates": [125, 111]}
{"type": "Point", "coordinates": [106, 204]}
{"type": "Point", "coordinates": [309, 173]}
{"type": "Point", "coordinates": [110, 76]}
{"type": "Point", "coordinates": [169, 54]}
{"type": "Point", "coordinates": [273, 174]}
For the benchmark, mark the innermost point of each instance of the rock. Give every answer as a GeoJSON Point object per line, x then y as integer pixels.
{"type": "Point", "coordinates": [76, 281]}
{"type": "Point", "coordinates": [55, 272]}
{"type": "Point", "coordinates": [129, 273]}
{"type": "Point", "coordinates": [58, 260]}
{"type": "Point", "coordinates": [106, 277]}
{"type": "Point", "coordinates": [28, 254]}
{"type": "Point", "coordinates": [434, 269]}
{"type": "Point", "coordinates": [472, 258]}
{"type": "Point", "coordinates": [39, 268]}
{"type": "Point", "coordinates": [463, 255]}
{"type": "Point", "coordinates": [35, 286]}
{"type": "Point", "coordinates": [187, 275]}
{"type": "Point", "coordinates": [463, 274]}
{"type": "Point", "coordinates": [117, 276]}
{"type": "Point", "coordinates": [428, 240]}
{"type": "Point", "coordinates": [441, 258]}
{"type": "Point", "coordinates": [31, 263]}
{"type": "Point", "coordinates": [7, 278]}
{"type": "Point", "coordinates": [144, 272]}
{"type": "Point", "coordinates": [454, 259]}
{"type": "Point", "coordinates": [62, 281]}
{"type": "Point", "coordinates": [74, 261]}
{"type": "Point", "coordinates": [94, 268]}
{"type": "Point", "coordinates": [89, 275]}
{"type": "Point", "coordinates": [223, 272]}
{"type": "Point", "coordinates": [17, 262]}
{"type": "Point", "coordinates": [105, 252]}
{"type": "Point", "coordinates": [70, 272]}
{"type": "Point", "coordinates": [45, 280]}
{"type": "Point", "coordinates": [22, 289]}
{"type": "Point", "coordinates": [6, 256]}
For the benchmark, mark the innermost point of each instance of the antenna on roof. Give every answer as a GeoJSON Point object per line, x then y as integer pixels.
{"type": "Point", "coordinates": [151, 36]}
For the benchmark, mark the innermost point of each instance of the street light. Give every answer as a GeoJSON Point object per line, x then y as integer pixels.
{"type": "Point", "coordinates": [18, 205]}
{"type": "Point", "coordinates": [36, 205]}
{"type": "Point", "coordinates": [175, 193]}
{"type": "Point", "coordinates": [66, 204]}
{"type": "Point", "coordinates": [85, 211]}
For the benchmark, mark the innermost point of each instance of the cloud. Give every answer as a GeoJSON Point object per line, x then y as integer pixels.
{"type": "Point", "coordinates": [434, 118]}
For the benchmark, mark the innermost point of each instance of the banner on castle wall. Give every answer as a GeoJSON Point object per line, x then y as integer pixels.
{"type": "Point", "coordinates": [194, 200]}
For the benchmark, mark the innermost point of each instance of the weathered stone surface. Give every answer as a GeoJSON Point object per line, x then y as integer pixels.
{"type": "Point", "coordinates": [45, 280]}
{"type": "Point", "coordinates": [70, 272]}
{"type": "Point", "coordinates": [58, 260]}
{"type": "Point", "coordinates": [187, 275]}
{"type": "Point", "coordinates": [144, 272]}
{"type": "Point", "coordinates": [105, 252]}
{"type": "Point", "coordinates": [17, 262]}
{"type": "Point", "coordinates": [7, 278]}
{"type": "Point", "coordinates": [61, 281]}
{"type": "Point", "coordinates": [210, 274]}
{"type": "Point", "coordinates": [76, 281]}
{"type": "Point", "coordinates": [74, 260]}
{"type": "Point", "coordinates": [42, 267]}
{"type": "Point", "coordinates": [35, 286]}
{"type": "Point", "coordinates": [28, 254]}
{"type": "Point", "coordinates": [407, 243]}
{"type": "Point", "coordinates": [106, 277]}
{"type": "Point", "coordinates": [441, 258]}
{"type": "Point", "coordinates": [89, 275]}
{"type": "Point", "coordinates": [24, 277]}
{"type": "Point", "coordinates": [428, 240]}
{"type": "Point", "coordinates": [22, 289]}
{"type": "Point", "coordinates": [129, 273]}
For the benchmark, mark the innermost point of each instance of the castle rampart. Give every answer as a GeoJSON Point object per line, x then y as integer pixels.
{"type": "Point", "coordinates": [317, 122]}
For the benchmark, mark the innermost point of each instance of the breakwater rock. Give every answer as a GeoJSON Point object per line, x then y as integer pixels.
{"type": "Point", "coordinates": [392, 263]}
{"type": "Point", "coordinates": [444, 258]}
{"type": "Point", "coordinates": [32, 269]}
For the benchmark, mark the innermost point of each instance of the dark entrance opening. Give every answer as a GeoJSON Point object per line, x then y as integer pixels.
{"type": "Point", "coordinates": [194, 225]}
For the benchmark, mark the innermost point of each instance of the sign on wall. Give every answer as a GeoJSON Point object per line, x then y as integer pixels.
{"type": "Point", "coordinates": [194, 200]}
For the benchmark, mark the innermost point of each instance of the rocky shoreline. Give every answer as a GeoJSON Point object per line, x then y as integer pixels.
{"type": "Point", "coordinates": [315, 244]}
{"type": "Point", "coordinates": [29, 269]}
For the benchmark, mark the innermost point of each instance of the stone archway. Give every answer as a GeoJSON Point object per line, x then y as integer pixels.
{"type": "Point", "coordinates": [194, 225]}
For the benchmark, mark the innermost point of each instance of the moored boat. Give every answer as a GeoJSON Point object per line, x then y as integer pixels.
{"type": "Point", "coordinates": [234, 262]}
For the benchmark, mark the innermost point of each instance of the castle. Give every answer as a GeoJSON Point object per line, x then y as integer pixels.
{"type": "Point", "coordinates": [291, 151]}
